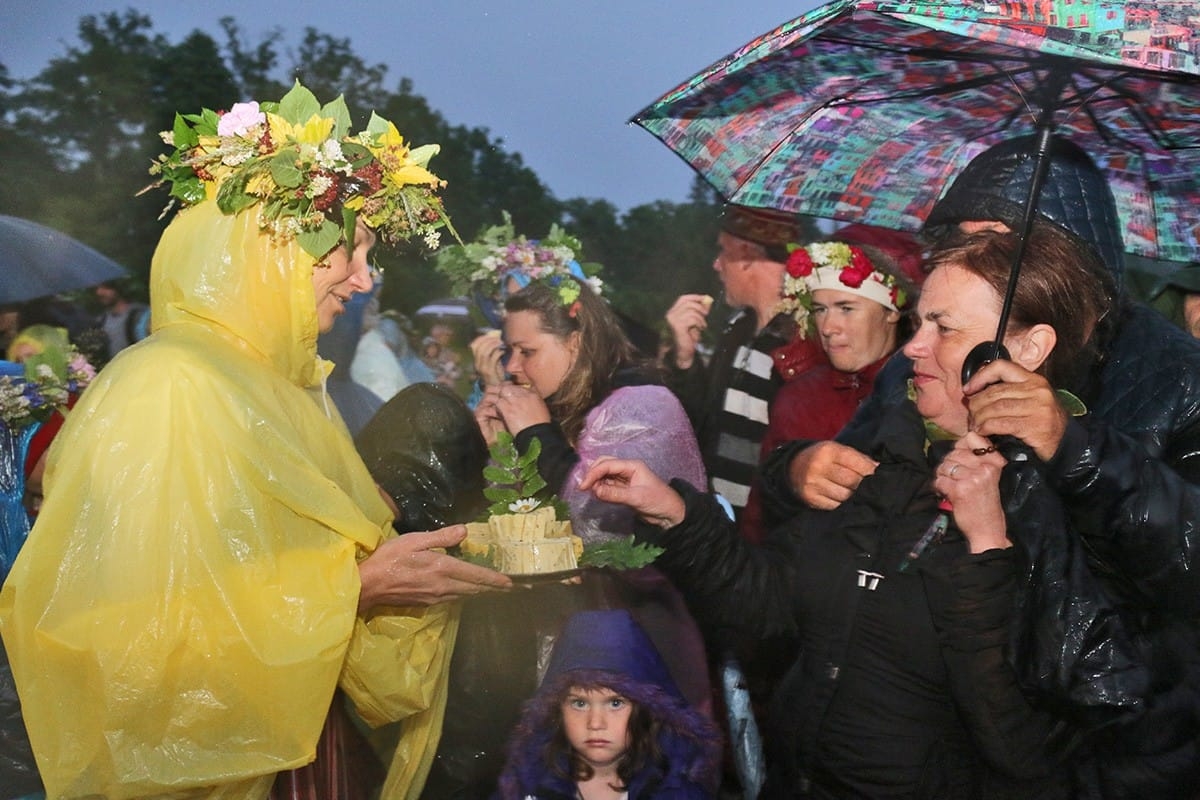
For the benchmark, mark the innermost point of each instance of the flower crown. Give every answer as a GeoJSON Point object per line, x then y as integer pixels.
{"type": "Point", "coordinates": [498, 254]}
{"type": "Point", "coordinates": [313, 178]}
{"type": "Point", "coordinates": [48, 381]}
{"type": "Point", "coordinates": [834, 265]}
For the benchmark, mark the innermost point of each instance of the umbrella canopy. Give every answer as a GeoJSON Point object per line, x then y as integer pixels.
{"type": "Point", "coordinates": [36, 261]}
{"type": "Point", "coordinates": [865, 111]}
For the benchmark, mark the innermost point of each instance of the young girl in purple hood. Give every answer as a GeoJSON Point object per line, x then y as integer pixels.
{"type": "Point", "coordinates": [608, 722]}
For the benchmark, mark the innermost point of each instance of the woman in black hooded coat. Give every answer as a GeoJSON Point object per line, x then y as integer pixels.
{"type": "Point", "coordinates": [911, 679]}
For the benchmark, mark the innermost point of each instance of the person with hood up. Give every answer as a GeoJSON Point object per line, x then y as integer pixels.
{"type": "Point", "coordinates": [1177, 296]}
{"type": "Point", "coordinates": [1128, 471]}
{"type": "Point", "coordinates": [608, 722]}
{"type": "Point", "coordinates": [213, 560]}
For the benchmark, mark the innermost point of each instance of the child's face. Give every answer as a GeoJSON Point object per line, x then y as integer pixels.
{"type": "Point", "coordinates": [596, 722]}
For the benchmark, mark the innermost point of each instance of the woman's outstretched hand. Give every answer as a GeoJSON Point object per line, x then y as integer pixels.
{"type": "Point", "coordinates": [969, 478]}
{"type": "Point", "coordinates": [411, 570]}
{"type": "Point", "coordinates": [630, 482]}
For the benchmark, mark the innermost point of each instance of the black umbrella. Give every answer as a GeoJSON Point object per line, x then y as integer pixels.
{"type": "Point", "coordinates": [36, 261]}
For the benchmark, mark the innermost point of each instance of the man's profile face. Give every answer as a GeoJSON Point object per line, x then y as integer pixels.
{"type": "Point", "coordinates": [734, 255]}
{"type": "Point", "coordinates": [107, 295]}
{"type": "Point", "coordinates": [1191, 313]}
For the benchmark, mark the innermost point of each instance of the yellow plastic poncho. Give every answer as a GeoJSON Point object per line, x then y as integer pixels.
{"type": "Point", "coordinates": [186, 603]}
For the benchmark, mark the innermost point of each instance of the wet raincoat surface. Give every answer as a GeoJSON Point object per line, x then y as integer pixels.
{"type": "Point", "coordinates": [186, 604]}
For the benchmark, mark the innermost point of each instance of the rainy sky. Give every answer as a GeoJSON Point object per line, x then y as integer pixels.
{"type": "Point", "coordinates": [556, 80]}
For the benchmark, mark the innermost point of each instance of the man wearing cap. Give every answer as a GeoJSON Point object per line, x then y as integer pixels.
{"type": "Point", "coordinates": [727, 399]}
{"type": "Point", "coordinates": [1128, 470]}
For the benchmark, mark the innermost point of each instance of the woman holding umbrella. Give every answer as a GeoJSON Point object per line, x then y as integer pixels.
{"type": "Point", "coordinates": [1127, 471]}
{"type": "Point", "coordinates": [903, 598]}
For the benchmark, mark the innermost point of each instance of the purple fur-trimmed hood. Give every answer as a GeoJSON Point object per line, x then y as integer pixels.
{"type": "Point", "coordinates": [608, 648]}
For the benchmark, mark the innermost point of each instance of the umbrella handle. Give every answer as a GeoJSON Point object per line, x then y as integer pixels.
{"type": "Point", "coordinates": [980, 356]}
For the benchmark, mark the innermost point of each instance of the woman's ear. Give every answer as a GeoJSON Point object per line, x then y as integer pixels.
{"type": "Point", "coordinates": [1031, 347]}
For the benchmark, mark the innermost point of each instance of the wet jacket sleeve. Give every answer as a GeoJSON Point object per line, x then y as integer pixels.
{"type": "Point", "coordinates": [689, 385]}
{"type": "Point", "coordinates": [779, 501]}
{"type": "Point", "coordinates": [1137, 504]}
{"type": "Point", "coordinates": [727, 581]}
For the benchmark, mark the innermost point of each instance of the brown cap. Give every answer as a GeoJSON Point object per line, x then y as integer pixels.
{"type": "Point", "coordinates": [764, 226]}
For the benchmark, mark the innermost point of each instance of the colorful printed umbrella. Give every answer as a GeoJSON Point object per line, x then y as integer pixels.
{"type": "Point", "coordinates": [865, 111]}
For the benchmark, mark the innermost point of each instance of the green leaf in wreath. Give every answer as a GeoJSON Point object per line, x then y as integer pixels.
{"type": "Point", "coordinates": [495, 475]}
{"type": "Point", "coordinates": [501, 495]}
{"type": "Point", "coordinates": [284, 171]}
{"type": "Point", "coordinates": [298, 105]}
{"type": "Point", "coordinates": [320, 241]}
{"type": "Point", "coordinates": [183, 133]}
{"type": "Point", "coordinates": [336, 110]}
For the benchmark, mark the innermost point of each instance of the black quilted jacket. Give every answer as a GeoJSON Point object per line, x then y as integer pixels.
{"type": "Point", "coordinates": [900, 685]}
{"type": "Point", "coordinates": [1128, 475]}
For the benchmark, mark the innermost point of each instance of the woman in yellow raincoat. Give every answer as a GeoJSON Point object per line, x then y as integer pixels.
{"type": "Point", "coordinates": [213, 558]}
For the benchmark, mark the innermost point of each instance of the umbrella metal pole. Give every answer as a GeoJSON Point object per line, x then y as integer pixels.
{"type": "Point", "coordinates": [987, 352]}
{"type": "Point", "coordinates": [1040, 167]}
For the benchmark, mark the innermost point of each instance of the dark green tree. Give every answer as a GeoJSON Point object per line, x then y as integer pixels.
{"type": "Point", "coordinates": [253, 65]}
{"type": "Point", "coordinates": [89, 111]}
{"type": "Point", "coordinates": [76, 141]}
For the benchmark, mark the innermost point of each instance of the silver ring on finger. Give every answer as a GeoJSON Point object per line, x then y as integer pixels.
{"type": "Point", "coordinates": [953, 470]}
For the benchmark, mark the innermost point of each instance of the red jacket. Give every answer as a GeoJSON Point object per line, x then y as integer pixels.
{"type": "Point", "coordinates": [812, 406]}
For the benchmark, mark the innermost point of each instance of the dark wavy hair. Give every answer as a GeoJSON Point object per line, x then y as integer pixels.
{"type": "Point", "coordinates": [643, 751]}
{"type": "Point", "coordinates": [671, 744]}
{"type": "Point", "coordinates": [1062, 284]}
{"type": "Point", "coordinates": [603, 348]}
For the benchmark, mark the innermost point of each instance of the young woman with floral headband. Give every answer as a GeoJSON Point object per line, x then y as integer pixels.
{"type": "Point", "coordinates": [213, 559]}
{"type": "Point", "coordinates": [854, 299]}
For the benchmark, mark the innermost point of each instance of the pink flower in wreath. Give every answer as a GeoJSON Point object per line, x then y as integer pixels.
{"type": "Point", "coordinates": [799, 264]}
{"type": "Point", "coordinates": [240, 119]}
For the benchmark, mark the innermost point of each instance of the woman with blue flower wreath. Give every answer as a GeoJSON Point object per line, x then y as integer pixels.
{"type": "Point", "coordinates": [573, 384]}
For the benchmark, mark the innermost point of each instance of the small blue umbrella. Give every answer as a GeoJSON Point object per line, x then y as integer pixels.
{"type": "Point", "coordinates": [36, 261]}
